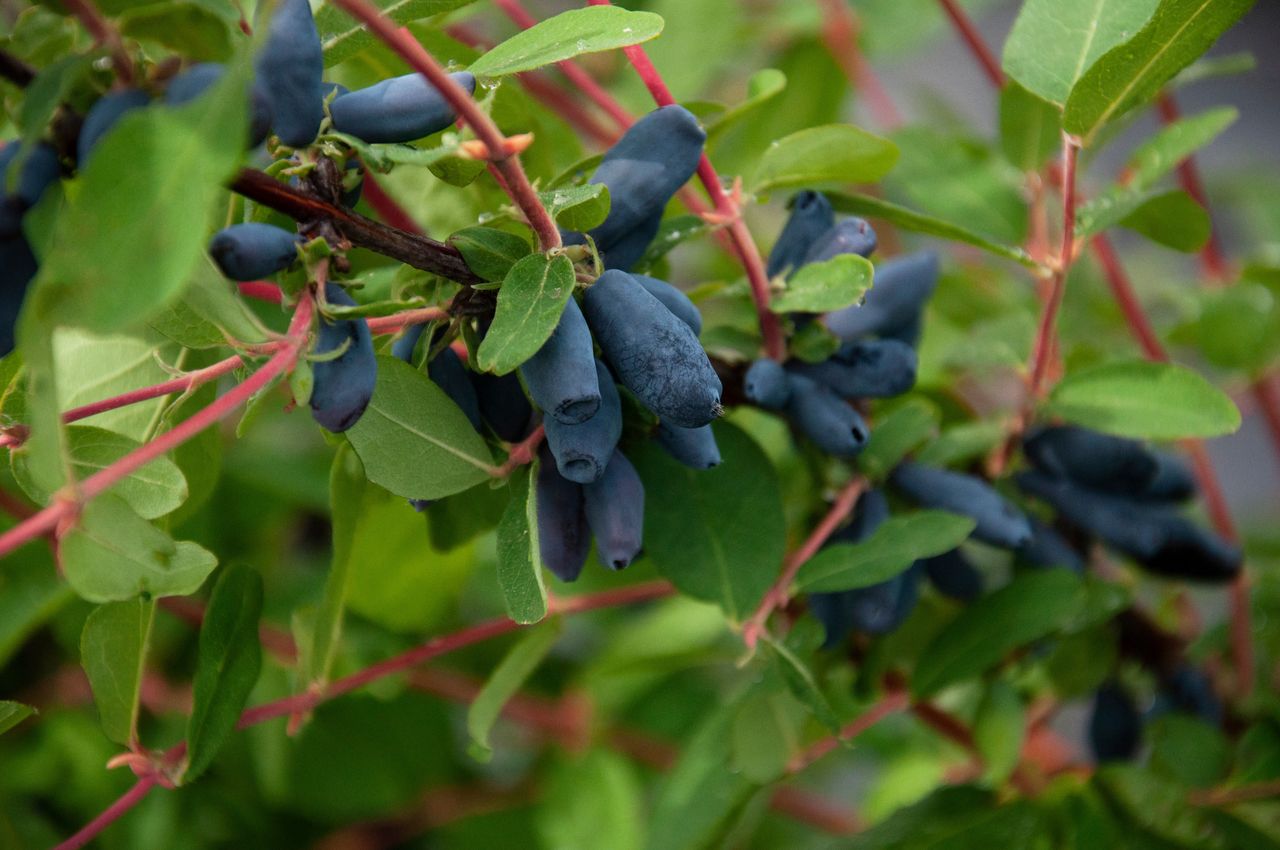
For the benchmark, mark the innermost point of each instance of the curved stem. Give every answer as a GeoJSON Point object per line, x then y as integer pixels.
{"type": "Point", "coordinates": [969, 33]}
{"type": "Point", "coordinates": [111, 814]}
{"type": "Point", "coordinates": [1043, 347]}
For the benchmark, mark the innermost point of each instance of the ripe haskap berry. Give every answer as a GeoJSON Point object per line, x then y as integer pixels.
{"type": "Point", "coordinates": [653, 353]}
{"type": "Point", "coordinates": [878, 368]}
{"type": "Point", "coordinates": [342, 386]}
{"type": "Point", "coordinates": [694, 447]}
{"type": "Point", "coordinates": [1190, 691]}
{"type": "Point", "coordinates": [582, 450]}
{"type": "Point", "coordinates": [197, 79]}
{"type": "Point", "coordinates": [289, 70]}
{"type": "Point", "coordinates": [825, 418]}
{"type": "Point", "coordinates": [674, 300]}
{"type": "Point", "coordinates": [400, 109]}
{"type": "Point", "coordinates": [811, 218]}
{"type": "Point", "coordinates": [1173, 481]}
{"type": "Point", "coordinates": [902, 286]}
{"type": "Point", "coordinates": [405, 344]}
{"type": "Point", "coordinates": [767, 384]}
{"type": "Point", "coordinates": [253, 250]}
{"type": "Point", "coordinates": [1115, 727]}
{"type": "Point", "coordinates": [881, 608]}
{"type": "Point", "coordinates": [1091, 459]}
{"type": "Point", "coordinates": [20, 192]}
{"type": "Point", "coordinates": [1154, 535]}
{"type": "Point", "coordinates": [848, 236]}
{"type": "Point", "coordinates": [953, 575]}
{"type": "Point", "coordinates": [503, 404]}
{"type": "Point", "coordinates": [614, 506]}
{"type": "Point", "coordinates": [18, 268]}
{"type": "Point", "coordinates": [563, 537]}
{"type": "Point", "coordinates": [448, 373]}
{"type": "Point", "coordinates": [998, 521]}
{"type": "Point", "coordinates": [103, 115]}
{"type": "Point", "coordinates": [1047, 548]}
{"type": "Point", "coordinates": [643, 170]}
{"type": "Point", "coordinates": [562, 376]}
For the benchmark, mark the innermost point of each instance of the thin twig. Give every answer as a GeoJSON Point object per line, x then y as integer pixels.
{"type": "Point", "coordinates": [1048, 320]}
{"type": "Point", "coordinates": [891, 703]}
{"type": "Point", "coordinates": [977, 46]}
{"type": "Point", "coordinates": [111, 814]}
{"type": "Point", "coordinates": [104, 34]}
{"type": "Point", "coordinates": [840, 32]}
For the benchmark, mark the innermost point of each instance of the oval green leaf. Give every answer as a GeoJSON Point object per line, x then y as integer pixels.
{"type": "Point", "coordinates": [530, 304]}
{"type": "Point", "coordinates": [840, 153]}
{"type": "Point", "coordinates": [568, 34]}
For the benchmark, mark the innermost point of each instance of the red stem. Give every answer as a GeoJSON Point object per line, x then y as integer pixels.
{"type": "Point", "coordinates": [1043, 347]}
{"type": "Point", "coordinates": [387, 208]}
{"type": "Point", "coordinates": [261, 290]}
{"type": "Point", "coordinates": [1124, 295]}
{"type": "Point", "coordinates": [748, 252]}
{"type": "Point", "coordinates": [111, 814]}
{"type": "Point", "coordinates": [777, 595]}
{"type": "Point", "coordinates": [104, 34]}
{"type": "Point", "coordinates": [64, 507]}
{"type": "Point", "coordinates": [840, 35]}
{"type": "Point", "coordinates": [969, 32]}
{"type": "Point", "coordinates": [177, 385]}
{"type": "Point", "coordinates": [891, 703]}
{"type": "Point", "coordinates": [1212, 260]}
{"type": "Point", "coordinates": [521, 190]}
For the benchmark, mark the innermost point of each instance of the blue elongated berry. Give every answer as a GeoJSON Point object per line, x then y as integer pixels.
{"type": "Point", "coordinates": [953, 575]}
{"type": "Point", "coordinates": [628, 249]}
{"type": "Point", "coordinates": [881, 608]}
{"type": "Point", "coordinates": [400, 109]}
{"type": "Point", "coordinates": [674, 300]}
{"type": "Point", "coordinates": [21, 191]}
{"type": "Point", "coordinates": [643, 170]}
{"type": "Point", "coordinates": [1047, 548]}
{"type": "Point", "coordinates": [404, 345]}
{"type": "Point", "coordinates": [767, 384]}
{"type": "Point", "coordinates": [289, 69]}
{"type": "Point", "coordinates": [842, 611]}
{"type": "Point", "coordinates": [825, 418]}
{"type": "Point", "coordinates": [448, 373]}
{"type": "Point", "coordinates": [614, 506]}
{"type": "Point", "coordinates": [653, 353]}
{"type": "Point", "coordinates": [847, 236]}
{"type": "Point", "coordinates": [894, 302]}
{"type": "Point", "coordinates": [1091, 459]}
{"type": "Point", "coordinates": [18, 268]}
{"type": "Point", "coordinates": [1115, 727]}
{"type": "Point", "coordinates": [1191, 552]}
{"type": "Point", "coordinates": [562, 376]}
{"type": "Point", "coordinates": [694, 447]}
{"type": "Point", "coordinates": [343, 386]}
{"type": "Point", "coordinates": [811, 218]}
{"type": "Point", "coordinates": [103, 115]}
{"type": "Point", "coordinates": [878, 368]}
{"type": "Point", "coordinates": [582, 450]}
{"type": "Point", "coordinates": [1190, 691]}
{"type": "Point", "coordinates": [563, 537]}
{"type": "Point", "coordinates": [197, 79]}
{"type": "Point", "coordinates": [998, 521]}
{"type": "Point", "coordinates": [1173, 481]}
{"type": "Point", "coordinates": [253, 250]}
{"type": "Point", "coordinates": [503, 404]}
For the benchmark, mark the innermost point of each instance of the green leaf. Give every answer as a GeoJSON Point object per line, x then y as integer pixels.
{"type": "Point", "coordinates": [578, 207]}
{"type": "Point", "coordinates": [999, 728]}
{"type": "Point", "coordinates": [190, 29]}
{"type": "Point", "coordinates": [152, 491]}
{"type": "Point", "coordinates": [954, 818]}
{"type": "Point", "coordinates": [519, 559]}
{"type": "Point", "coordinates": [908, 219]}
{"type": "Point", "coordinates": [801, 682]}
{"type": "Point", "coordinates": [830, 285]}
{"type": "Point", "coordinates": [1132, 73]}
{"type": "Point", "coordinates": [672, 232]}
{"type": "Point", "coordinates": [832, 153]}
{"type": "Point", "coordinates": [961, 443]}
{"type": "Point", "coordinates": [47, 91]}
{"type": "Point", "coordinates": [1053, 43]}
{"type": "Point", "coordinates": [905, 427]}
{"type": "Point", "coordinates": [1161, 153]}
{"type": "Point", "coordinates": [113, 554]}
{"type": "Point", "coordinates": [228, 660]}
{"type": "Point", "coordinates": [766, 733]}
{"type": "Point", "coordinates": [717, 534]}
{"type": "Point", "coordinates": [600, 794]}
{"type": "Point", "coordinates": [92, 367]}
{"type": "Point", "coordinates": [208, 312]}
{"type": "Point", "coordinates": [162, 170]}
{"type": "Point", "coordinates": [1238, 327]}
{"type": "Point", "coordinates": [530, 303]}
{"type": "Point", "coordinates": [507, 678]}
{"type": "Point", "coordinates": [113, 652]}
{"type": "Point", "coordinates": [347, 485]}
{"type": "Point", "coordinates": [566, 35]}
{"type": "Point", "coordinates": [12, 713]}
{"type": "Point", "coordinates": [414, 441]}
{"type": "Point", "coordinates": [1030, 127]}
{"type": "Point", "coordinates": [1033, 605]}
{"type": "Point", "coordinates": [893, 547]}
{"type": "Point", "coordinates": [1189, 750]}
{"type": "Point", "coordinates": [342, 37]}
{"type": "Point", "coordinates": [1135, 398]}
{"type": "Point", "coordinates": [763, 86]}
{"type": "Point", "coordinates": [1172, 219]}
{"type": "Point", "coordinates": [1209, 67]}
{"type": "Point", "coordinates": [490, 252]}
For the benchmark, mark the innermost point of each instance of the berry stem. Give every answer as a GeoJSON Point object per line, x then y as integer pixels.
{"type": "Point", "coordinates": [892, 702]}
{"type": "Point", "coordinates": [1043, 345]}
{"type": "Point", "coordinates": [110, 814]}
{"type": "Point", "coordinates": [520, 189]}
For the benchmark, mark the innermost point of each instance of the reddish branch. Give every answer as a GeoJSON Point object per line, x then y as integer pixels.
{"type": "Point", "coordinates": [103, 34]}
{"type": "Point", "coordinates": [726, 208]}
{"type": "Point", "coordinates": [387, 207]}
{"type": "Point", "coordinates": [840, 32]}
{"type": "Point", "coordinates": [892, 702]}
{"type": "Point", "coordinates": [1043, 346]}
{"type": "Point", "coordinates": [965, 27]}
{"type": "Point", "coordinates": [1212, 260]}
{"type": "Point", "coordinates": [780, 592]}
{"type": "Point", "coordinates": [111, 814]}
{"type": "Point", "coordinates": [521, 190]}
